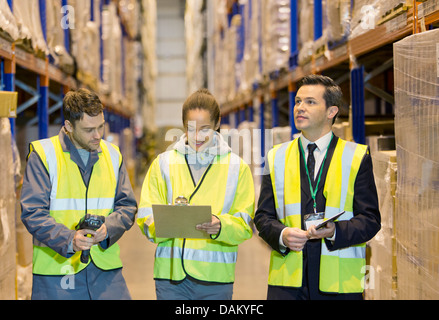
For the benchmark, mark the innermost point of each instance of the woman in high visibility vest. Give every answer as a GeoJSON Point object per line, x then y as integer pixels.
{"type": "Point", "coordinates": [201, 168]}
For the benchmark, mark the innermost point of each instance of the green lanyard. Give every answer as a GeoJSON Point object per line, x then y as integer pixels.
{"type": "Point", "coordinates": [311, 189]}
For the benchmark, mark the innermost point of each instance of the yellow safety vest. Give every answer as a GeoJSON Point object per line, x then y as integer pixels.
{"type": "Point", "coordinates": [227, 186]}
{"type": "Point", "coordinates": [70, 198]}
{"type": "Point", "coordinates": [341, 271]}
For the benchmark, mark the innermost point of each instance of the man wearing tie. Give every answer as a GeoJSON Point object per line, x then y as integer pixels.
{"type": "Point", "coordinates": [317, 172]}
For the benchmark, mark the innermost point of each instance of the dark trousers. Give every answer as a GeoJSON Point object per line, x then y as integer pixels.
{"type": "Point", "coordinates": [90, 283]}
{"type": "Point", "coordinates": [310, 280]}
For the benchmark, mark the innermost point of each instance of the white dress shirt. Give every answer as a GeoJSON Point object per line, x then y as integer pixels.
{"type": "Point", "coordinates": [319, 154]}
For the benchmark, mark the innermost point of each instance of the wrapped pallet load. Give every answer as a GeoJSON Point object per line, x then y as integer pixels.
{"type": "Point", "coordinates": [365, 16]}
{"type": "Point", "coordinates": [112, 59]}
{"type": "Point", "coordinates": [7, 215]}
{"type": "Point", "coordinates": [251, 61]}
{"type": "Point", "coordinates": [8, 24]}
{"type": "Point", "coordinates": [383, 275]}
{"type": "Point", "coordinates": [55, 37]}
{"type": "Point", "coordinates": [149, 71]}
{"type": "Point", "coordinates": [218, 49]}
{"type": "Point", "coordinates": [336, 21]}
{"type": "Point", "coordinates": [195, 45]}
{"type": "Point", "coordinates": [416, 70]}
{"type": "Point", "coordinates": [31, 36]}
{"type": "Point", "coordinates": [306, 30]}
{"type": "Point", "coordinates": [276, 35]}
{"type": "Point", "coordinates": [86, 42]}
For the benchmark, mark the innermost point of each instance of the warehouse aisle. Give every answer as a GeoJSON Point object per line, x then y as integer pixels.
{"type": "Point", "coordinates": [137, 254]}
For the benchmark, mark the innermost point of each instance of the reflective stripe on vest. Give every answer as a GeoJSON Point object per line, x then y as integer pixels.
{"type": "Point", "coordinates": [196, 256]}
{"type": "Point", "coordinates": [68, 203]}
{"type": "Point", "coordinates": [340, 270]}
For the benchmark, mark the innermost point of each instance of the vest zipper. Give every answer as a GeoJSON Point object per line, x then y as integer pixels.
{"type": "Point", "coordinates": [189, 200]}
{"type": "Point", "coordinates": [201, 180]}
{"type": "Point", "coordinates": [86, 190]}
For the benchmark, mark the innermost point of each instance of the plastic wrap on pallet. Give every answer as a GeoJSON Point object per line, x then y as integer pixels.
{"type": "Point", "coordinates": [276, 35]}
{"type": "Point", "coordinates": [382, 247]}
{"type": "Point", "coordinates": [336, 21]}
{"type": "Point", "coordinates": [8, 22]}
{"type": "Point", "coordinates": [252, 69]}
{"type": "Point", "coordinates": [230, 40]}
{"type": "Point", "coordinates": [427, 7]}
{"type": "Point", "coordinates": [129, 12]}
{"type": "Point", "coordinates": [149, 70]}
{"type": "Point", "coordinates": [55, 37]}
{"type": "Point", "coordinates": [365, 16]}
{"type": "Point", "coordinates": [225, 62]}
{"type": "Point", "coordinates": [133, 74]}
{"type": "Point", "coordinates": [306, 30]}
{"type": "Point", "coordinates": [222, 58]}
{"type": "Point", "coordinates": [7, 214]}
{"type": "Point", "coordinates": [112, 59]}
{"type": "Point", "coordinates": [27, 14]}
{"type": "Point", "coordinates": [193, 20]}
{"type": "Point", "coordinates": [240, 63]}
{"type": "Point", "coordinates": [416, 72]}
{"type": "Point", "coordinates": [85, 42]}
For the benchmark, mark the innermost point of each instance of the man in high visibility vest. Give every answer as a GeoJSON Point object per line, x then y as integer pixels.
{"type": "Point", "coordinates": [317, 173]}
{"type": "Point", "coordinates": [68, 176]}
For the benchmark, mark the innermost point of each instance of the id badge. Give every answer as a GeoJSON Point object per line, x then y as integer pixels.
{"type": "Point", "coordinates": [313, 219]}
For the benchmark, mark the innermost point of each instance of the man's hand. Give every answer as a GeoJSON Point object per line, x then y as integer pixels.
{"type": "Point", "coordinates": [325, 232]}
{"type": "Point", "coordinates": [212, 227]}
{"type": "Point", "coordinates": [294, 238]}
{"type": "Point", "coordinates": [81, 240]}
{"type": "Point", "coordinates": [101, 234]}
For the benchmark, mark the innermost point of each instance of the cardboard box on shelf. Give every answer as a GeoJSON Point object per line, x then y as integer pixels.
{"type": "Point", "coordinates": [8, 104]}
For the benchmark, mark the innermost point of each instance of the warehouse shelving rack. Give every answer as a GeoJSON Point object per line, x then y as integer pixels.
{"type": "Point", "coordinates": [42, 82]}
{"type": "Point", "coordinates": [353, 65]}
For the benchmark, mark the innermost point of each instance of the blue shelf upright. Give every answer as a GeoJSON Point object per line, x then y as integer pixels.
{"type": "Point", "coordinates": [357, 96]}
{"type": "Point", "coordinates": [262, 126]}
{"type": "Point", "coordinates": [294, 50]}
{"type": "Point", "coordinates": [43, 85]}
{"type": "Point", "coordinates": [318, 19]}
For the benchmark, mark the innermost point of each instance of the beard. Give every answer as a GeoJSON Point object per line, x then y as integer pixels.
{"type": "Point", "coordinates": [89, 146]}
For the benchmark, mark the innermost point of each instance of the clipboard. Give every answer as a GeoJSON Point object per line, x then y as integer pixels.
{"type": "Point", "coordinates": [179, 221]}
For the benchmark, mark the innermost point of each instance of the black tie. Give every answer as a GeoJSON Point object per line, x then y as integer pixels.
{"type": "Point", "coordinates": [311, 162]}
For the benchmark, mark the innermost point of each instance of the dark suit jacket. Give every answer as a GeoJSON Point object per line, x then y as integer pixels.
{"type": "Point", "coordinates": [361, 228]}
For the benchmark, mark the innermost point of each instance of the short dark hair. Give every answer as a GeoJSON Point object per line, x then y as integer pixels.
{"type": "Point", "coordinates": [202, 99]}
{"type": "Point", "coordinates": [78, 102]}
{"type": "Point", "coordinates": [333, 95]}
